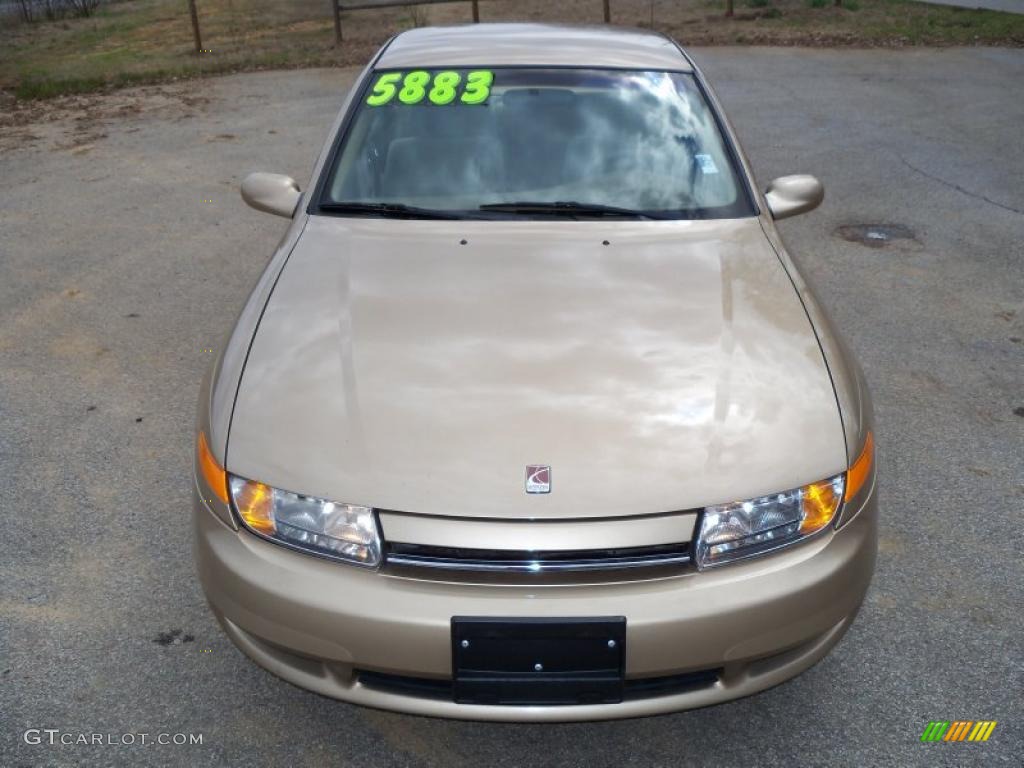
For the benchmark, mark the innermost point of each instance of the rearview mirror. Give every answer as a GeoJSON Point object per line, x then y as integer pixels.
{"type": "Point", "coordinates": [791, 195]}
{"type": "Point", "coordinates": [271, 193]}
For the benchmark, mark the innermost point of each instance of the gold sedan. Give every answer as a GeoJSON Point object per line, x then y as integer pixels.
{"type": "Point", "coordinates": [531, 415]}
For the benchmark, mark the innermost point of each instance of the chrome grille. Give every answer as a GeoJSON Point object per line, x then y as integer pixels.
{"type": "Point", "coordinates": [542, 561]}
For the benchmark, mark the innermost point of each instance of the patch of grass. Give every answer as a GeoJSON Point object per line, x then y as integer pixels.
{"type": "Point", "coordinates": [45, 88]}
{"type": "Point", "coordinates": [145, 41]}
{"type": "Point", "coordinates": [919, 24]}
{"type": "Point", "coordinates": [35, 87]}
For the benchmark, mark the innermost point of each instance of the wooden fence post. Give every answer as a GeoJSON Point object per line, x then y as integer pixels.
{"type": "Point", "coordinates": [336, 9]}
{"type": "Point", "coordinates": [607, 12]}
{"type": "Point", "coordinates": [195, 25]}
{"type": "Point", "coordinates": [728, 7]}
{"type": "Point", "coordinates": [476, 11]}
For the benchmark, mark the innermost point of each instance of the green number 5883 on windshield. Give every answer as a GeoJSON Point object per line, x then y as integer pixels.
{"type": "Point", "coordinates": [438, 88]}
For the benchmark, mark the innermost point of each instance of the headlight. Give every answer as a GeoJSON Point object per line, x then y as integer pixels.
{"type": "Point", "coordinates": [744, 528]}
{"type": "Point", "coordinates": [342, 531]}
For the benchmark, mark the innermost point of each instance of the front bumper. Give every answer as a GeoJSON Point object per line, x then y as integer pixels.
{"type": "Point", "coordinates": [317, 623]}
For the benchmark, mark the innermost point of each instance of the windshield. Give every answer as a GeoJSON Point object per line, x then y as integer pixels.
{"type": "Point", "coordinates": [533, 143]}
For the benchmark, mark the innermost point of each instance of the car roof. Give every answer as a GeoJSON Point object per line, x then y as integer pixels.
{"type": "Point", "coordinates": [533, 45]}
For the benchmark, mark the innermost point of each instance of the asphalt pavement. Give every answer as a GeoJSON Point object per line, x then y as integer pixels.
{"type": "Point", "coordinates": [125, 252]}
{"type": "Point", "coordinates": [1007, 6]}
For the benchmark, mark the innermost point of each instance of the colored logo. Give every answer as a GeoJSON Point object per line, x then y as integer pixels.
{"type": "Point", "coordinates": [538, 478]}
{"type": "Point", "coordinates": [958, 730]}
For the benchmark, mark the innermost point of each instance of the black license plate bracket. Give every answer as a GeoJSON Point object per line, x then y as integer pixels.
{"type": "Point", "coordinates": [538, 661]}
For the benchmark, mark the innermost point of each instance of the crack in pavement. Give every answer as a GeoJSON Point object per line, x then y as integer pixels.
{"type": "Point", "coordinates": [958, 188]}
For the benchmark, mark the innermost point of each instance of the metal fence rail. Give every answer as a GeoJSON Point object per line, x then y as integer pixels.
{"type": "Point", "coordinates": [357, 5]}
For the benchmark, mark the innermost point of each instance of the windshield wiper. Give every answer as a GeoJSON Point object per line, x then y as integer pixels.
{"type": "Point", "coordinates": [567, 207]}
{"type": "Point", "coordinates": [395, 210]}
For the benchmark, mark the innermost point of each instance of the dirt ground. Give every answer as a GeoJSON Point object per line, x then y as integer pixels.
{"type": "Point", "coordinates": [75, 123]}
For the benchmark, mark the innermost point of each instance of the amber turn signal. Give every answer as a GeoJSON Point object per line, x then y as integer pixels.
{"type": "Point", "coordinates": [861, 469]}
{"type": "Point", "coordinates": [255, 503]}
{"type": "Point", "coordinates": [818, 503]}
{"type": "Point", "coordinates": [213, 473]}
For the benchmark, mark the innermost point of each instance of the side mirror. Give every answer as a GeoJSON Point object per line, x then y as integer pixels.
{"type": "Point", "coordinates": [271, 193]}
{"type": "Point", "coordinates": [791, 195]}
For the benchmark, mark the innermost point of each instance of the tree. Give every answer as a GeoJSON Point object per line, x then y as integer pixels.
{"type": "Point", "coordinates": [83, 8]}
{"type": "Point", "coordinates": [27, 10]}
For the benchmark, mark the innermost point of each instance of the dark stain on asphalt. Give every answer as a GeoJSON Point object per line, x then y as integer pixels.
{"type": "Point", "coordinates": [91, 408]}
{"type": "Point", "coordinates": [1019, 411]}
{"type": "Point", "coordinates": [132, 314]}
{"type": "Point", "coordinates": [173, 637]}
{"type": "Point", "coordinates": [138, 419]}
{"type": "Point", "coordinates": [874, 235]}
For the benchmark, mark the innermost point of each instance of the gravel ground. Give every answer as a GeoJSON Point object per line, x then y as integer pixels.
{"type": "Point", "coordinates": [125, 252]}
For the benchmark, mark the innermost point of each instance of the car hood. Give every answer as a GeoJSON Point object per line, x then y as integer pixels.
{"type": "Point", "coordinates": [422, 365]}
